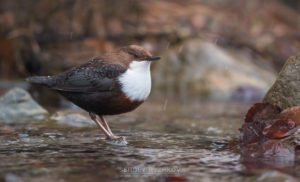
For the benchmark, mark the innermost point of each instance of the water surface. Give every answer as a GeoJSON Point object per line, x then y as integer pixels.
{"type": "Point", "coordinates": [167, 142]}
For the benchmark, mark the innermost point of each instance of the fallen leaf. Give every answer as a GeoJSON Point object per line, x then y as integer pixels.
{"type": "Point", "coordinates": [252, 132]}
{"type": "Point", "coordinates": [292, 113]}
{"type": "Point", "coordinates": [262, 111]}
{"type": "Point", "coordinates": [280, 128]}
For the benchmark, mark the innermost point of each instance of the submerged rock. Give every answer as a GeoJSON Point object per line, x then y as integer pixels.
{"type": "Point", "coordinates": [71, 118]}
{"type": "Point", "coordinates": [200, 69]}
{"type": "Point", "coordinates": [18, 106]}
{"type": "Point", "coordinates": [285, 90]}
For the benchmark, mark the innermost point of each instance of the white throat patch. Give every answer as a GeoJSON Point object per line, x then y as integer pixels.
{"type": "Point", "coordinates": [136, 81]}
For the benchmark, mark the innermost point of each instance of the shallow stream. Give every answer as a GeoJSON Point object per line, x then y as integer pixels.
{"type": "Point", "coordinates": [167, 142]}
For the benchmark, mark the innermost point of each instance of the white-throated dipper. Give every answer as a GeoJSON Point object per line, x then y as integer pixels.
{"type": "Point", "coordinates": [113, 83]}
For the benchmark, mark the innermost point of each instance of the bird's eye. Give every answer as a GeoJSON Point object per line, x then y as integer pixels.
{"type": "Point", "coordinates": [134, 54]}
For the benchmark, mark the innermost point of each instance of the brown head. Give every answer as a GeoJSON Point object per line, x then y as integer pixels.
{"type": "Point", "coordinates": [138, 53]}
{"type": "Point", "coordinates": [125, 55]}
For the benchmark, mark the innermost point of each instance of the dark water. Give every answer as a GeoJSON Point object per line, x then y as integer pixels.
{"type": "Point", "coordinates": [167, 142]}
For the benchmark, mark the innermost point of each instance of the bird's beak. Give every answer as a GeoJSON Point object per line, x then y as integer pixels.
{"type": "Point", "coordinates": [154, 58]}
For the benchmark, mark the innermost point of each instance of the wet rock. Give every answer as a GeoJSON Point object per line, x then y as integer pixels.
{"type": "Point", "coordinates": [5, 85]}
{"type": "Point", "coordinates": [199, 69]}
{"type": "Point", "coordinates": [18, 106]}
{"type": "Point", "coordinates": [285, 90]}
{"type": "Point", "coordinates": [73, 119]}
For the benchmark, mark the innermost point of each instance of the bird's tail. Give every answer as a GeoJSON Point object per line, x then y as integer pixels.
{"type": "Point", "coordinates": [43, 80]}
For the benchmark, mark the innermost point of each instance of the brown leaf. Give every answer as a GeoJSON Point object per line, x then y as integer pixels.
{"type": "Point", "coordinates": [292, 113]}
{"type": "Point", "coordinates": [262, 111]}
{"type": "Point", "coordinates": [252, 132]}
{"type": "Point", "coordinates": [280, 128]}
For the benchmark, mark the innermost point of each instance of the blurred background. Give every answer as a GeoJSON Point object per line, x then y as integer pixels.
{"type": "Point", "coordinates": [228, 50]}
{"type": "Point", "coordinates": [218, 58]}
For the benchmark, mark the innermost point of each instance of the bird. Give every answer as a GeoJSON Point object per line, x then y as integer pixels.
{"type": "Point", "coordinates": [110, 84]}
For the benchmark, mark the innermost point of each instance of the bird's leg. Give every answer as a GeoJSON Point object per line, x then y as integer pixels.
{"type": "Point", "coordinates": [116, 140]}
{"type": "Point", "coordinates": [105, 124]}
{"type": "Point", "coordinates": [94, 118]}
{"type": "Point", "coordinates": [110, 138]}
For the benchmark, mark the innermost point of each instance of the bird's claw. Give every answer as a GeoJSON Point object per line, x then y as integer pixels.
{"type": "Point", "coordinates": [116, 140]}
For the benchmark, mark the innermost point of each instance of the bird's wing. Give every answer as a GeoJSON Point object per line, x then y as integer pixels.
{"type": "Point", "coordinates": [94, 76]}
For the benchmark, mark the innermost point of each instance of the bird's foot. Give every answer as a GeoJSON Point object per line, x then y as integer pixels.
{"type": "Point", "coordinates": [116, 140]}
